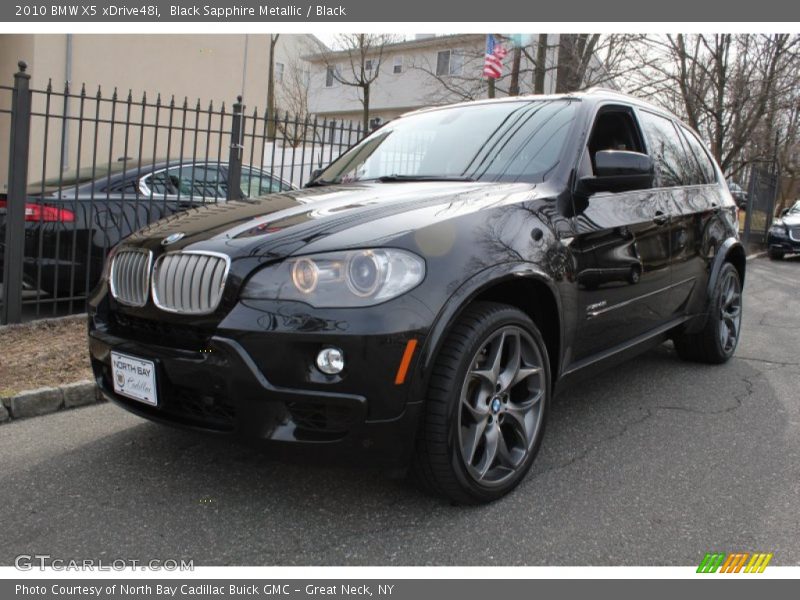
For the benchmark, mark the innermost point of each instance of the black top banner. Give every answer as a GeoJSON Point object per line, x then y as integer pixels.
{"type": "Point", "coordinates": [149, 11]}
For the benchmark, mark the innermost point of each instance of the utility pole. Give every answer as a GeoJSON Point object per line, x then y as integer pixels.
{"type": "Point", "coordinates": [272, 118]}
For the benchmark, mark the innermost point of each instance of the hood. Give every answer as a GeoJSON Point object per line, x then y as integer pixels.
{"type": "Point", "coordinates": [790, 220]}
{"type": "Point", "coordinates": [325, 218]}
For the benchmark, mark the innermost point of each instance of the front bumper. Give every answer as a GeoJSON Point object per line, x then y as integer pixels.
{"type": "Point", "coordinates": [243, 381]}
{"type": "Point", "coordinates": [785, 244]}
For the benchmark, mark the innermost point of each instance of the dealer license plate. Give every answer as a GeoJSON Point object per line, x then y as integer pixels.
{"type": "Point", "coordinates": [134, 378]}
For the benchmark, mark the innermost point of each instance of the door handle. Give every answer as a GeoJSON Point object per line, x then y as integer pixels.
{"type": "Point", "coordinates": [660, 218]}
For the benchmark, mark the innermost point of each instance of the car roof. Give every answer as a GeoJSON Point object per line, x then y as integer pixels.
{"type": "Point", "coordinates": [595, 94]}
{"type": "Point", "coordinates": [122, 170]}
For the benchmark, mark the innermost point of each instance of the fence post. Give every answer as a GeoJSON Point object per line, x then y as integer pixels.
{"type": "Point", "coordinates": [235, 155]}
{"type": "Point", "coordinates": [752, 186]}
{"type": "Point", "coordinates": [14, 253]}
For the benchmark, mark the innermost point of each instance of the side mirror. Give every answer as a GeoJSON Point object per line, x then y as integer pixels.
{"type": "Point", "coordinates": [316, 173]}
{"type": "Point", "coordinates": [619, 171]}
{"type": "Point", "coordinates": [784, 212]}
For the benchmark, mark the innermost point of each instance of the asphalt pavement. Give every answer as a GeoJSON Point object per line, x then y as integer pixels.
{"type": "Point", "coordinates": [654, 463]}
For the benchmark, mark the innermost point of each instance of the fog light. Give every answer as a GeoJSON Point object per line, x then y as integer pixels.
{"type": "Point", "coordinates": [330, 361]}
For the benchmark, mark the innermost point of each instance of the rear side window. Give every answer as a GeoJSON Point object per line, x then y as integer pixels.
{"type": "Point", "coordinates": [257, 183]}
{"type": "Point", "coordinates": [700, 154]}
{"type": "Point", "coordinates": [187, 181]}
{"type": "Point", "coordinates": [673, 163]}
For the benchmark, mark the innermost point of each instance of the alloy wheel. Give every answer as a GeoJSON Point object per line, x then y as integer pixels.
{"type": "Point", "coordinates": [500, 406]}
{"type": "Point", "coordinates": [730, 312]}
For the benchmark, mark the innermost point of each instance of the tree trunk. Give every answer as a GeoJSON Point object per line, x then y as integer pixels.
{"type": "Point", "coordinates": [574, 57]}
{"type": "Point", "coordinates": [564, 75]}
{"type": "Point", "coordinates": [513, 89]}
{"type": "Point", "coordinates": [541, 64]}
{"type": "Point", "coordinates": [365, 103]}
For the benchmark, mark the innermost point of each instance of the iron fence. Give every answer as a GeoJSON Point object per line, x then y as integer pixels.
{"type": "Point", "coordinates": [762, 191]}
{"type": "Point", "coordinates": [87, 169]}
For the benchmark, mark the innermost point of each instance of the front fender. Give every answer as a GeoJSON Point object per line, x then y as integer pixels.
{"type": "Point", "coordinates": [462, 297]}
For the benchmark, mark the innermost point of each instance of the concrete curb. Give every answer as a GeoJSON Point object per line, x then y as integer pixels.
{"type": "Point", "coordinates": [47, 400]}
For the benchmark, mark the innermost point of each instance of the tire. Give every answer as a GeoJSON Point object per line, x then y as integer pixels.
{"type": "Point", "coordinates": [775, 254]}
{"type": "Point", "coordinates": [717, 341]}
{"type": "Point", "coordinates": [483, 419]}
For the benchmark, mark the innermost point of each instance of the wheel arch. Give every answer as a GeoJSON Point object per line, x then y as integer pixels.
{"type": "Point", "coordinates": [521, 286]}
{"type": "Point", "coordinates": [732, 251]}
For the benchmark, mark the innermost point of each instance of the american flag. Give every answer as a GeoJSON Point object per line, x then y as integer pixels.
{"type": "Point", "coordinates": [493, 64]}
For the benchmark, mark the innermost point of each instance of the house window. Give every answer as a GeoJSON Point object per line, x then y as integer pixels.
{"type": "Point", "coordinates": [279, 72]}
{"type": "Point", "coordinates": [330, 76]}
{"type": "Point", "coordinates": [449, 62]}
{"type": "Point", "coordinates": [305, 77]}
{"type": "Point", "coordinates": [397, 66]}
{"type": "Point", "coordinates": [443, 62]}
{"type": "Point", "coordinates": [456, 62]}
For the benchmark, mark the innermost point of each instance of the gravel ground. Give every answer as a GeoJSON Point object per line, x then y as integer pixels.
{"type": "Point", "coordinates": [43, 353]}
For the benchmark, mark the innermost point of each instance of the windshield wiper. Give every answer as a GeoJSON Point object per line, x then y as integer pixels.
{"type": "Point", "coordinates": [394, 178]}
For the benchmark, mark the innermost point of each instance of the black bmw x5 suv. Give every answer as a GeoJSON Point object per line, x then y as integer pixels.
{"type": "Point", "coordinates": [430, 291]}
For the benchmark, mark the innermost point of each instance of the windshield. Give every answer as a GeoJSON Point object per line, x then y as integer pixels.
{"type": "Point", "coordinates": [505, 141]}
{"type": "Point", "coordinates": [795, 209]}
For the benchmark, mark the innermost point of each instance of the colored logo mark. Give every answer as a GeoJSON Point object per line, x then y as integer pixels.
{"type": "Point", "coordinates": [734, 562]}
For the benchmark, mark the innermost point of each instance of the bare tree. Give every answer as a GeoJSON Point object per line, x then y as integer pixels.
{"type": "Point", "coordinates": [732, 88]}
{"type": "Point", "coordinates": [540, 64]}
{"type": "Point", "coordinates": [462, 78]}
{"type": "Point", "coordinates": [292, 97]}
{"type": "Point", "coordinates": [462, 83]}
{"type": "Point", "coordinates": [575, 52]}
{"type": "Point", "coordinates": [779, 136]}
{"type": "Point", "coordinates": [583, 61]}
{"type": "Point", "coordinates": [516, 61]}
{"type": "Point", "coordinates": [589, 60]}
{"type": "Point", "coordinates": [356, 61]}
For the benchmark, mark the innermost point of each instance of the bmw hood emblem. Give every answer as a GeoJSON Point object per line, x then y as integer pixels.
{"type": "Point", "coordinates": [172, 238]}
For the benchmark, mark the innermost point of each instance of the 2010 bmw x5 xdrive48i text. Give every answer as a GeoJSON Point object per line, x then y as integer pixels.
{"type": "Point", "coordinates": [432, 289]}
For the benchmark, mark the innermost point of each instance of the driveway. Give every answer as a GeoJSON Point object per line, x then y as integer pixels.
{"type": "Point", "coordinates": [653, 463]}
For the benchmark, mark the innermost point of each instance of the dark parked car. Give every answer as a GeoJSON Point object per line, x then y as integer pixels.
{"type": "Point", "coordinates": [73, 220]}
{"type": "Point", "coordinates": [739, 194]}
{"type": "Point", "coordinates": [423, 300]}
{"type": "Point", "coordinates": [784, 234]}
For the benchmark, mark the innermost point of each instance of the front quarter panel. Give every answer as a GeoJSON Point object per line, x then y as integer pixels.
{"type": "Point", "coordinates": [467, 256]}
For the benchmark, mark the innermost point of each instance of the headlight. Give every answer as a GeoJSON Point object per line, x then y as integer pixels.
{"type": "Point", "coordinates": [778, 230]}
{"type": "Point", "coordinates": [339, 279]}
